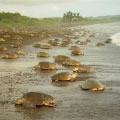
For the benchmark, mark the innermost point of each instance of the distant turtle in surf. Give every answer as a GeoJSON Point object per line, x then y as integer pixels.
{"type": "Point", "coordinates": [83, 43]}
{"type": "Point", "coordinates": [7, 36]}
{"type": "Point", "coordinates": [74, 48]}
{"type": "Point", "coordinates": [16, 44]}
{"type": "Point", "coordinates": [3, 48]}
{"type": "Point", "coordinates": [44, 41]}
{"type": "Point", "coordinates": [61, 58]}
{"type": "Point", "coordinates": [100, 44]}
{"type": "Point", "coordinates": [108, 40]}
{"type": "Point", "coordinates": [64, 44]}
{"type": "Point", "coordinates": [2, 40]}
{"type": "Point", "coordinates": [56, 42]}
{"type": "Point", "coordinates": [87, 40]}
{"type": "Point", "coordinates": [20, 52]}
{"type": "Point", "coordinates": [71, 62]}
{"type": "Point", "coordinates": [45, 66]}
{"type": "Point", "coordinates": [37, 45]}
{"type": "Point", "coordinates": [42, 54]}
{"type": "Point", "coordinates": [45, 46]}
{"type": "Point", "coordinates": [35, 99]}
{"type": "Point", "coordinates": [17, 37]}
{"type": "Point", "coordinates": [64, 76]}
{"type": "Point", "coordinates": [82, 69]}
{"type": "Point", "coordinates": [9, 56]}
{"type": "Point", "coordinates": [76, 53]}
{"type": "Point", "coordinates": [93, 85]}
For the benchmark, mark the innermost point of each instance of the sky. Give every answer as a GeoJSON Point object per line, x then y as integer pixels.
{"type": "Point", "coordinates": [56, 8]}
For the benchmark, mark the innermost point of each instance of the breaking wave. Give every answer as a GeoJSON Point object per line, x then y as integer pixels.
{"type": "Point", "coordinates": [116, 39]}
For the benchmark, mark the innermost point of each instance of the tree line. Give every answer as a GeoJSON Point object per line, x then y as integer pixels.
{"type": "Point", "coordinates": [72, 17]}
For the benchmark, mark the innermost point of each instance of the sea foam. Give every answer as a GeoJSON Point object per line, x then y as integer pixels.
{"type": "Point", "coordinates": [116, 39]}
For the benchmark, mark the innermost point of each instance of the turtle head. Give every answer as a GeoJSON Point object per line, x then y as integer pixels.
{"type": "Point", "coordinates": [19, 101]}
{"type": "Point", "coordinates": [74, 75]}
{"type": "Point", "coordinates": [36, 67]}
{"type": "Point", "coordinates": [53, 65]}
{"type": "Point", "coordinates": [49, 102]}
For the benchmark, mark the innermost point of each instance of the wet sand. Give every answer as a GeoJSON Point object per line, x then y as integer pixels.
{"type": "Point", "coordinates": [18, 77]}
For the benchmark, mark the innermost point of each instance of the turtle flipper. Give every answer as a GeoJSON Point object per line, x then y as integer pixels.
{"type": "Point", "coordinates": [28, 105]}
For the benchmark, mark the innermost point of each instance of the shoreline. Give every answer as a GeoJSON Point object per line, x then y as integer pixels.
{"type": "Point", "coordinates": [71, 101]}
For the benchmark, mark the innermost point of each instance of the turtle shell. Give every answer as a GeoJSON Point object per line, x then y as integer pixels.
{"type": "Point", "coordinates": [74, 48]}
{"type": "Point", "coordinates": [91, 84]}
{"type": "Point", "coordinates": [83, 69]}
{"type": "Point", "coordinates": [71, 62]}
{"type": "Point", "coordinates": [2, 48]}
{"type": "Point", "coordinates": [2, 40]}
{"type": "Point", "coordinates": [61, 58]}
{"type": "Point", "coordinates": [42, 54]}
{"type": "Point", "coordinates": [100, 44]}
{"type": "Point", "coordinates": [36, 99]}
{"type": "Point", "coordinates": [61, 76]}
{"type": "Point", "coordinates": [83, 43]}
{"type": "Point", "coordinates": [76, 52]}
{"type": "Point", "coordinates": [36, 45]}
{"type": "Point", "coordinates": [47, 65]}
{"type": "Point", "coordinates": [45, 47]}
{"type": "Point", "coordinates": [9, 56]}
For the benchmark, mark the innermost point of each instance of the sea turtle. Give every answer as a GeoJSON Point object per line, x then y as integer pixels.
{"type": "Point", "coordinates": [83, 69]}
{"type": "Point", "coordinates": [78, 42]}
{"type": "Point", "coordinates": [76, 52]}
{"type": "Point", "coordinates": [20, 52]}
{"type": "Point", "coordinates": [31, 35]}
{"type": "Point", "coordinates": [64, 76]}
{"type": "Point", "coordinates": [67, 40]}
{"type": "Point", "coordinates": [49, 35]}
{"type": "Point", "coordinates": [64, 44]}
{"type": "Point", "coordinates": [42, 54]}
{"type": "Point", "coordinates": [35, 99]}
{"type": "Point", "coordinates": [56, 42]}
{"type": "Point", "coordinates": [2, 48]}
{"type": "Point", "coordinates": [91, 35]}
{"type": "Point", "coordinates": [44, 41]}
{"type": "Point", "coordinates": [9, 56]}
{"type": "Point", "coordinates": [74, 48]}
{"type": "Point", "coordinates": [2, 40]}
{"type": "Point", "coordinates": [45, 66]}
{"type": "Point", "coordinates": [17, 44]}
{"type": "Point", "coordinates": [71, 62]}
{"type": "Point", "coordinates": [93, 85]}
{"type": "Point", "coordinates": [108, 40]}
{"type": "Point", "coordinates": [45, 46]}
{"type": "Point", "coordinates": [100, 44]}
{"type": "Point", "coordinates": [17, 37]}
{"type": "Point", "coordinates": [7, 36]}
{"type": "Point", "coordinates": [83, 43]}
{"type": "Point", "coordinates": [87, 40]}
{"type": "Point", "coordinates": [61, 58]}
{"type": "Point", "coordinates": [37, 45]}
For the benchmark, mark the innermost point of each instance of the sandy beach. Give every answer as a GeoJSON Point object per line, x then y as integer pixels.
{"type": "Point", "coordinates": [72, 103]}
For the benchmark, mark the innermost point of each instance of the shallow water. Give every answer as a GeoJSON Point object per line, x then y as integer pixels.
{"type": "Point", "coordinates": [18, 77]}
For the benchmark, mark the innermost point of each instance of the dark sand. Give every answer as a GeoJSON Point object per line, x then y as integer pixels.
{"type": "Point", "coordinates": [18, 77]}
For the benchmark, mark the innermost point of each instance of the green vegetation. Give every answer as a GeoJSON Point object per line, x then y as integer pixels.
{"type": "Point", "coordinates": [8, 19]}
{"type": "Point", "coordinates": [72, 17]}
